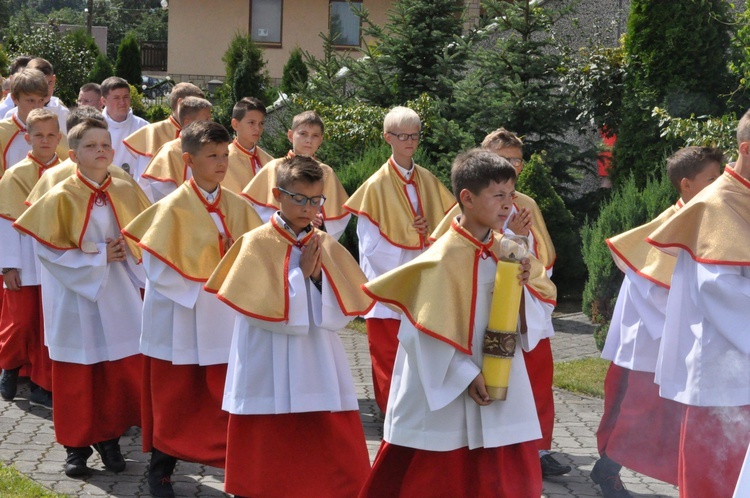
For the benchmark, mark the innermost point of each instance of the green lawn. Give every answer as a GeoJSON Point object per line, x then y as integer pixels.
{"type": "Point", "coordinates": [15, 485]}
{"type": "Point", "coordinates": [584, 376]}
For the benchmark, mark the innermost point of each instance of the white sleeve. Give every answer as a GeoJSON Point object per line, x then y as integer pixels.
{"type": "Point", "coordinates": [167, 282]}
{"type": "Point", "coordinates": [10, 245]}
{"type": "Point", "coordinates": [336, 228]}
{"type": "Point", "coordinates": [538, 316]}
{"type": "Point", "coordinates": [444, 372]}
{"type": "Point", "coordinates": [376, 254]}
{"type": "Point", "coordinates": [264, 212]}
{"type": "Point", "coordinates": [299, 321]}
{"type": "Point", "coordinates": [725, 300]}
{"type": "Point", "coordinates": [327, 313]}
{"type": "Point", "coordinates": [650, 302]}
{"type": "Point", "coordinates": [159, 190]}
{"type": "Point", "coordinates": [85, 274]}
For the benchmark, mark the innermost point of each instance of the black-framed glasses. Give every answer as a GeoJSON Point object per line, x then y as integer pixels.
{"type": "Point", "coordinates": [301, 199]}
{"type": "Point", "coordinates": [403, 137]}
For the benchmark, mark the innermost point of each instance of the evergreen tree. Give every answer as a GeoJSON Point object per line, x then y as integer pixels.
{"type": "Point", "coordinates": [294, 78]}
{"type": "Point", "coordinates": [513, 82]}
{"type": "Point", "coordinates": [4, 61]}
{"type": "Point", "coordinates": [676, 57]}
{"type": "Point", "coordinates": [102, 69]}
{"type": "Point", "coordinates": [413, 53]}
{"type": "Point", "coordinates": [128, 64]}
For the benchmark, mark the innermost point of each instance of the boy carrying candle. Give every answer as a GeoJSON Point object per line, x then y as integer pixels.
{"type": "Point", "coordinates": [443, 434]}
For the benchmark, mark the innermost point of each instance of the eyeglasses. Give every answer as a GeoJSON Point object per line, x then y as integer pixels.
{"type": "Point", "coordinates": [301, 200]}
{"type": "Point", "coordinates": [403, 137]}
{"type": "Point", "coordinates": [514, 161]}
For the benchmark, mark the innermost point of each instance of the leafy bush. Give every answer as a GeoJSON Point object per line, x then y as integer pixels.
{"type": "Point", "coordinates": [128, 64]}
{"type": "Point", "coordinates": [102, 69]}
{"type": "Point", "coordinates": [157, 112]}
{"type": "Point", "coordinates": [136, 102]}
{"type": "Point", "coordinates": [704, 131]}
{"type": "Point", "coordinates": [4, 62]}
{"type": "Point", "coordinates": [294, 78]}
{"type": "Point", "coordinates": [628, 208]}
{"type": "Point", "coordinates": [536, 182]}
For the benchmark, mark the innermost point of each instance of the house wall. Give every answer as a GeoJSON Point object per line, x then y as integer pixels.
{"type": "Point", "coordinates": [200, 32]}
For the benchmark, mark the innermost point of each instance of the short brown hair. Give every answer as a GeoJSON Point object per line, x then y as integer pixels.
{"type": "Point", "coordinates": [113, 83]}
{"type": "Point", "coordinates": [500, 139]}
{"type": "Point", "coordinates": [308, 118]}
{"type": "Point", "coordinates": [191, 106]}
{"type": "Point", "coordinates": [81, 113]}
{"type": "Point", "coordinates": [299, 168]}
{"type": "Point", "coordinates": [245, 105]}
{"type": "Point", "coordinates": [690, 161]}
{"type": "Point", "coordinates": [40, 115]}
{"type": "Point", "coordinates": [200, 133]}
{"type": "Point", "coordinates": [182, 91]}
{"type": "Point", "coordinates": [28, 81]}
{"type": "Point", "coordinates": [76, 134]}
{"type": "Point", "coordinates": [19, 63]}
{"type": "Point", "coordinates": [92, 87]}
{"type": "Point", "coordinates": [43, 65]}
{"type": "Point", "coordinates": [475, 169]}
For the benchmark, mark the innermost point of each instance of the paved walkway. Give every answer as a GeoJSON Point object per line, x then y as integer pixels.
{"type": "Point", "coordinates": [27, 438]}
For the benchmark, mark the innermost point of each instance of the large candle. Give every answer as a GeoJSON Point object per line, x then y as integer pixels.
{"type": "Point", "coordinates": [500, 336]}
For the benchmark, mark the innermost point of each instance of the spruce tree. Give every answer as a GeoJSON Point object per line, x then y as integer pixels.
{"type": "Point", "coordinates": [294, 77]}
{"type": "Point", "coordinates": [676, 58]}
{"type": "Point", "coordinates": [128, 65]}
{"type": "Point", "coordinates": [102, 69]}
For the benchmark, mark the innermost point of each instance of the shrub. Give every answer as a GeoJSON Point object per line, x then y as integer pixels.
{"type": "Point", "coordinates": [136, 102]}
{"type": "Point", "coordinates": [536, 182]}
{"type": "Point", "coordinates": [128, 64]}
{"type": "Point", "coordinates": [628, 208]}
{"type": "Point", "coordinates": [294, 78]}
{"type": "Point", "coordinates": [102, 69]}
{"type": "Point", "coordinates": [4, 62]}
{"type": "Point", "coordinates": [157, 112]}
{"type": "Point", "coordinates": [704, 131]}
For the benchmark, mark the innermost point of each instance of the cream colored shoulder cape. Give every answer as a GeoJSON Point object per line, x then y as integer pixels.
{"type": "Point", "coordinates": [180, 231]}
{"type": "Point", "coordinates": [16, 184]}
{"type": "Point", "coordinates": [383, 200]}
{"type": "Point", "coordinates": [259, 190]}
{"type": "Point", "coordinates": [543, 246]}
{"type": "Point", "coordinates": [630, 250]}
{"type": "Point", "coordinates": [147, 140]}
{"type": "Point", "coordinates": [714, 226]}
{"type": "Point", "coordinates": [167, 164]}
{"type": "Point", "coordinates": [253, 276]}
{"type": "Point", "coordinates": [437, 290]}
{"type": "Point", "coordinates": [10, 129]}
{"type": "Point", "coordinates": [60, 218]}
{"type": "Point", "coordinates": [66, 169]}
{"type": "Point", "coordinates": [243, 166]}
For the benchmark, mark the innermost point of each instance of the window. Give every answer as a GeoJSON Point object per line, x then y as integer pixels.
{"type": "Point", "coordinates": [345, 25]}
{"type": "Point", "coordinates": [265, 21]}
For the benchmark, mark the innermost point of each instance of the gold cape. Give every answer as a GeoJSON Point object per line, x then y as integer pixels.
{"type": "Point", "coordinates": [630, 250]}
{"type": "Point", "coordinates": [66, 169]}
{"type": "Point", "coordinates": [253, 276]}
{"type": "Point", "coordinates": [243, 166]}
{"type": "Point", "coordinates": [9, 129]}
{"type": "Point", "coordinates": [543, 246]}
{"type": "Point", "coordinates": [147, 140]}
{"type": "Point", "coordinates": [16, 184]}
{"type": "Point", "coordinates": [167, 164]}
{"type": "Point", "coordinates": [59, 219]}
{"type": "Point", "coordinates": [181, 232]}
{"type": "Point", "coordinates": [259, 190]}
{"type": "Point", "coordinates": [714, 226]}
{"type": "Point", "coordinates": [383, 200]}
{"type": "Point", "coordinates": [435, 292]}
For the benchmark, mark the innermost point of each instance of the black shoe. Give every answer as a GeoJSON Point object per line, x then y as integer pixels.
{"type": "Point", "coordinates": [75, 462]}
{"type": "Point", "coordinates": [40, 397]}
{"type": "Point", "coordinates": [160, 470]}
{"type": "Point", "coordinates": [551, 467]}
{"type": "Point", "coordinates": [111, 456]}
{"type": "Point", "coordinates": [9, 384]}
{"type": "Point", "coordinates": [606, 473]}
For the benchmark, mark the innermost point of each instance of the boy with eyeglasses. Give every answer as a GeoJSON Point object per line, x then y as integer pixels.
{"type": "Point", "coordinates": [306, 136]}
{"type": "Point", "coordinates": [294, 426]}
{"type": "Point", "coordinates": [397, 207]}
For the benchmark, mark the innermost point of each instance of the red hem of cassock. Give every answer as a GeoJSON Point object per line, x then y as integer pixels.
{"type": "Point", "coordinates": [313, 454]}
{"type": "Point", "coordinates": [511, 471]}
{"type": "Point", "coordinates": [540, 366]}
{"type": "Point", "coordinates": [713, 443]}
{"type": "Point", "coordinates": [646, 434]}
{"type": "Point", "coordinates": [615, 385]}
{"type": "Point", "coordinates": [382, 336]}
{"type": "Point", "coordinates": [181, 411]}
{"type": "Point", "coordinates": [22, 335]}
{"type": "Point", "coordinates": [96, 402]}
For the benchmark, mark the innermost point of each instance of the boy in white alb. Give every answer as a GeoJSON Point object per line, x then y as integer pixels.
{"type": "Point", "coordinates": [186, 331]}
{"type": "Point", "coordinates": [120, 119]}
{"type": "Point", "coordinates": [92, 301]}
{"type": "Point", "coordinates": [16, 66]}
{"type": "Point", "coordinates": [294, 426]}
{"type": "Point", "coordinates": [51, 102]}
{"type": "Point", "coordinates": [397, 208]}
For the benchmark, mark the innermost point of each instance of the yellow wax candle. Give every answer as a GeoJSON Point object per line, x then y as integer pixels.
{"type": "Point", "coordinates": [500, 337]}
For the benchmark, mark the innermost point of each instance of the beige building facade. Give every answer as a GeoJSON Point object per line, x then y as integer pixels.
{"type": "Point", "coordinates": [200, 31]}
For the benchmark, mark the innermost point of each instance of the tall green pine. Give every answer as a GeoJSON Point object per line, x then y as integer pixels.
{"type": "Point", "coordinates": [128, 65]}
{"type": "Point", "coordinates": [294, 77]}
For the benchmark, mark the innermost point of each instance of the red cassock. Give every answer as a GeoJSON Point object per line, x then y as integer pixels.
{"type": "Point", "coordinates": [181, 411]}
{"type": "Point", "coordinates": [540, 367]}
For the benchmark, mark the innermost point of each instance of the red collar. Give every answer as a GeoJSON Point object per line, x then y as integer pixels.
{"type": "Point", "coordinates": [212, 207]}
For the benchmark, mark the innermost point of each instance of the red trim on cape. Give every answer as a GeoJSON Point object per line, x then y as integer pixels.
{"type": "Point", "coordinates": [365, 215]}
{"type": "Point", "coordinates": [136, 152]}
{"type": "Point", "coordinates": [338, 297]}
{"type": "Point", "coordinates": [536, 294]}
{"type": "Point", "coordinates": [733, 173]}
{"type": "Point", "coordinates": [21, 129]}
{"type": "Point", "coordinates": [632, 266]}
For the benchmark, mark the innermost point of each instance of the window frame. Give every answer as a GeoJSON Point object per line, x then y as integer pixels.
{"type": "Point", "coordinates": [340, 46]}
{"type": "Point", "coordinates": [264, 44]}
